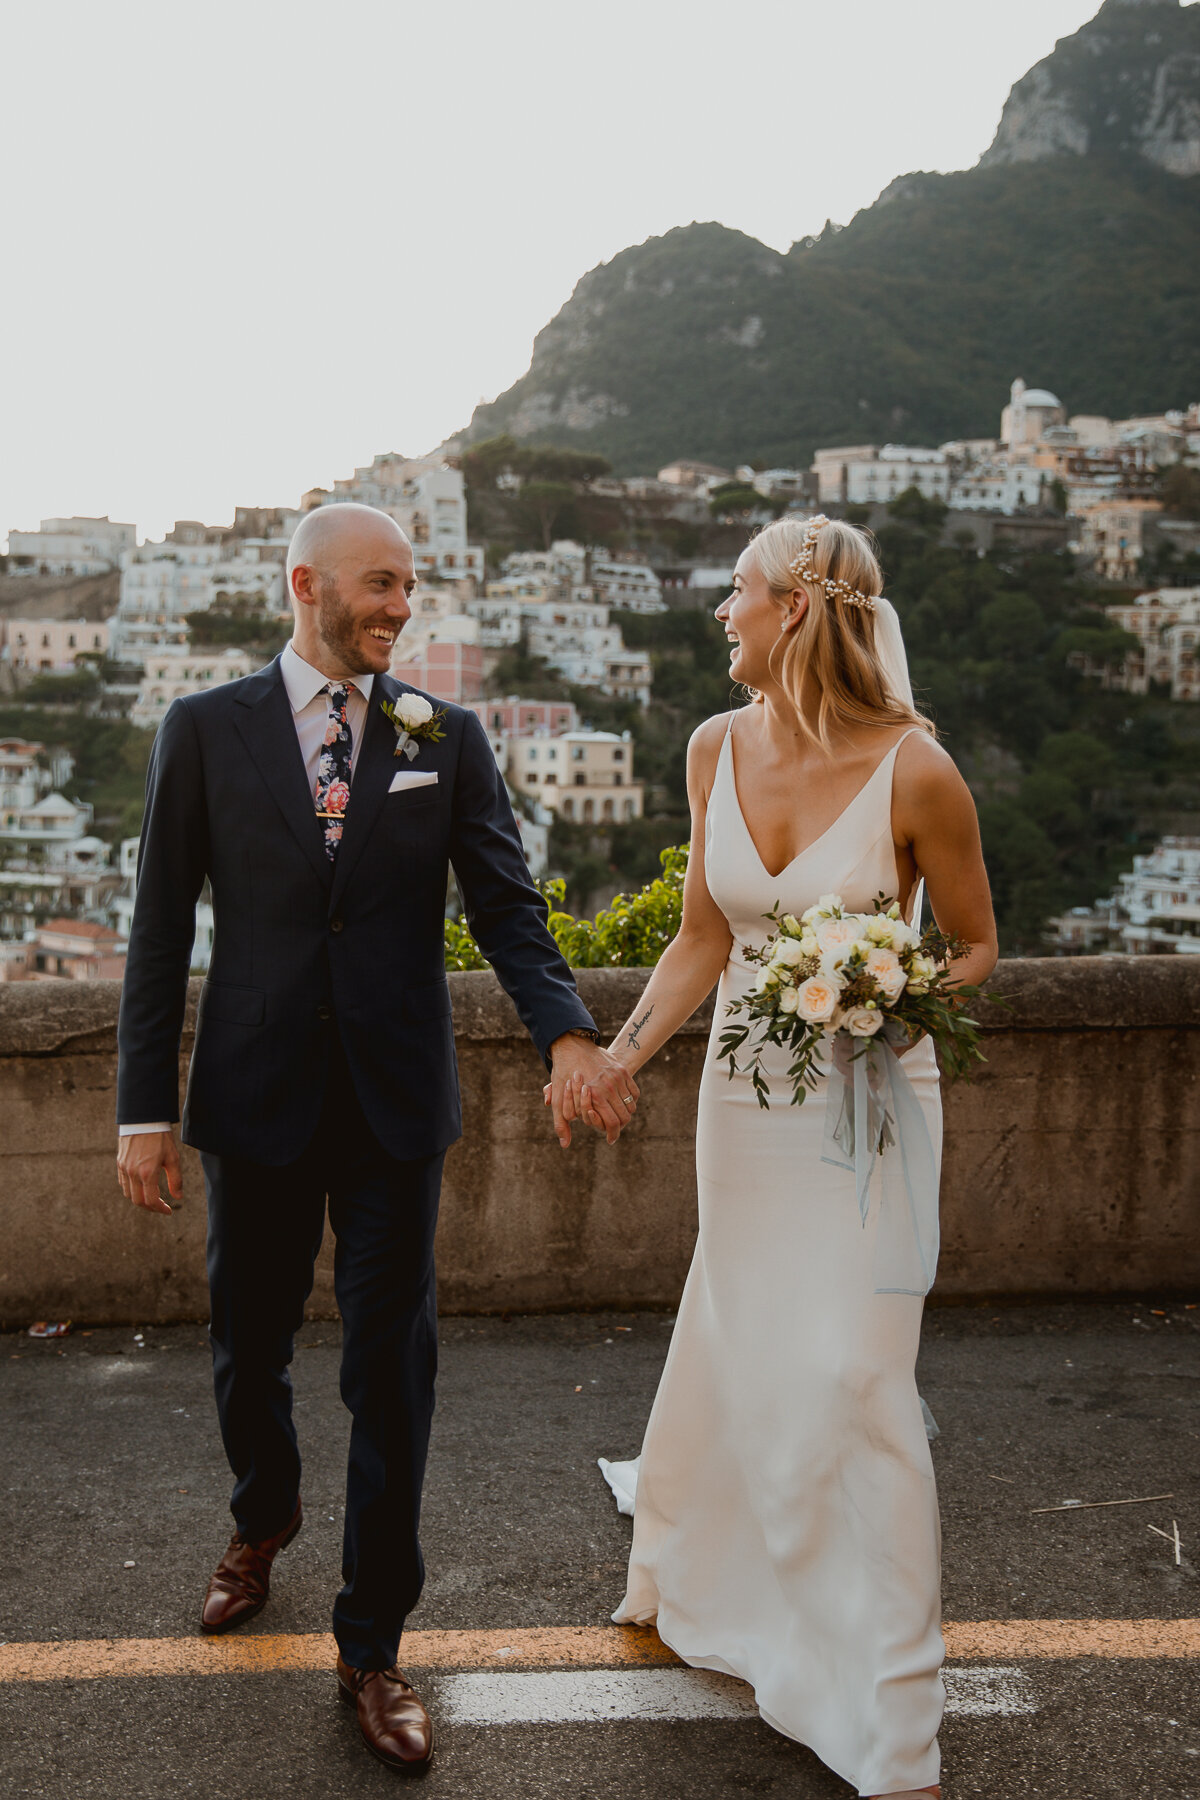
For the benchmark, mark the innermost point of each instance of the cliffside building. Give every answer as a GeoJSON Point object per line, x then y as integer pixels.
{"type": "Point", "coordinates": [70, 547]}
{"type": "Point", "coordinates": [428, 501]}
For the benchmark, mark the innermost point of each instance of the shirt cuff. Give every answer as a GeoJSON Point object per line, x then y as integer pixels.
{"type": "Point", "coordinates": [133, 1130]}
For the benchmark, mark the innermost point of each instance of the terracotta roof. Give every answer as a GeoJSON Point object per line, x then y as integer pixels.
{"type": "Point", "coordinates": [81, 928]}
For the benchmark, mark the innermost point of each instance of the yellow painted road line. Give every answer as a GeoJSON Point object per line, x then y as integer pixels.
{"type": "Point", "coordinates": [592, 1647]}
{"type": "Point", "coordinates": [1068, 1638]}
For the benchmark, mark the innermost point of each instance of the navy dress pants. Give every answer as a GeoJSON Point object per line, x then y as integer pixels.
{"type": "Point", "coordinates": [264, 1230]}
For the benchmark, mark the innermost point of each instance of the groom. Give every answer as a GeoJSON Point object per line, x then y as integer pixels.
{"type": "Point", "coordinates": [324, 1064]}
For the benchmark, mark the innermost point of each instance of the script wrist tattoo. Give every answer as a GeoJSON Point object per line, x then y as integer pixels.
{"type": "Point", "coordinates": [633, 1040]}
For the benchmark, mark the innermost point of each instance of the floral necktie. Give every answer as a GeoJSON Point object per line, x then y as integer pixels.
{"type": "Point", "coordinates": [333, 768]}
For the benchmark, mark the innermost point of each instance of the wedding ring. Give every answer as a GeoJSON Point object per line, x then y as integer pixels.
{"type": "Point", "coordinates": [628, 1099]}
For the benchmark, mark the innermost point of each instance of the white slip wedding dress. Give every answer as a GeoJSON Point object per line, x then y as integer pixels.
{"type": "Point", "coordinates": [786, 1525]}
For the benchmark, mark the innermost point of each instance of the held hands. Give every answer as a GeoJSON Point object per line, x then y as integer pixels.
{"type": "Point", "coordinates": [139, 1160]}
{"type": "Point", "coordinates": [588, 1083]}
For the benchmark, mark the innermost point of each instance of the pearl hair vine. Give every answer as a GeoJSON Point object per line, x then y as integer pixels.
{"type": "Point", "coordinates": [802, 569]}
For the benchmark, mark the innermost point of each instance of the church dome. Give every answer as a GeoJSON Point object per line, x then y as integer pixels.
{"type": "Point", "coordinates": [1040, 397]}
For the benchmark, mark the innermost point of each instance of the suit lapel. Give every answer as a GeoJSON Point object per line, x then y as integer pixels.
{"type": "Point", "coordinates": [265, 724]}
{"type": "Point", "coordinates": [374, 765]}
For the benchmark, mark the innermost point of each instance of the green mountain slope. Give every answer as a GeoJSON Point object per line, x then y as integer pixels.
{"type": "Point", "coordinates": [1076, 265]}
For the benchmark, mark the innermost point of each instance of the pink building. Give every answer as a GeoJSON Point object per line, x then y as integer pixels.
{"type": "Point", "coordinates": [66, 950]}
{"type": "Point", "coordinates": [450, 671]}
{"type": "Point", "coordinates": [520, 717]}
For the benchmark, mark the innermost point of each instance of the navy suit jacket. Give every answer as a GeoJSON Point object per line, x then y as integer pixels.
{"type": "Point", "coordinates": [304, 948]}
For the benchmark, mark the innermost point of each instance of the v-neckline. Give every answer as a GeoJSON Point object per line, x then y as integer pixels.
{"type": "Point", "coordinates": [832, 826]}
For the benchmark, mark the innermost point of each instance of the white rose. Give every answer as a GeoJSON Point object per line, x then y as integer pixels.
{"type": "Point", "coordinates": [884, 968]}
{"type": "Point", "coordinates": [809, 944]}
{"type": "Point", "coordinates": [833, 965]}
{"type": "Point", "coordinates": [921, 974]}
{"type": "Point", "coordinates": [413, 710]}
{"type": "Point", "coordinates": [828, 904]}
{"type": "Point", "coordinates": [789, 1000]}
{"type": "Point", "coordinates": [817, 999]}
{"type": "Point", "coordinates": [879, 929]}
{"type": "Point", "coordinates": [835, 934]}
{"type": "Point", "coordinates": [862, 1021]}
{"type": "Point", "coordinates": [768, 979]}
{"type": "Point", "coordinates": [787, 953]}
{"type": "Point", "coordinates": [903, 936]}
{"type": "Point", "coordinates": [809, 918]}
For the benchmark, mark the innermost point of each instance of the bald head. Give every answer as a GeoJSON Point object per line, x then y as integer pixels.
{"type": "Point", "coordinates": [325, 534]}
{"type": "Point", "coordinates": [350, 574]}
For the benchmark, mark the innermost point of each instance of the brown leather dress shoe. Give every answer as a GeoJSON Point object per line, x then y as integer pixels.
{"type": "Point", "coordinates": [242, 1579]}
{"type": "Point", "coordinates": [394, 1724]}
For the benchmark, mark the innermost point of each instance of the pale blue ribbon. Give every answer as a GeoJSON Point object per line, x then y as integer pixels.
{"type": "Point", "coordinates": [875, 1115]}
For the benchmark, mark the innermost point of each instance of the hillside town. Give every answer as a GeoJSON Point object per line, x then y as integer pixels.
{"type": "Point", "coordinates": [208, 605]}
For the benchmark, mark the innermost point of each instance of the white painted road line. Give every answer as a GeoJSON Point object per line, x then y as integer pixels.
{"type": "Point", "coordinates": [596, 1696]}
{"type": "Point", "coordinates": [588, 1696]}
{"type": "Point", "coordinates": [988, 1692]}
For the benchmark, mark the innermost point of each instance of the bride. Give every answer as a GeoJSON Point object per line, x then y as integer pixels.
{"type": "Point", "coordinates": [785, 1524]}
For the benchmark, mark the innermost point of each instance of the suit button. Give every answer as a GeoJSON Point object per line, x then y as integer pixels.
{"type": "Point", "coordinates": [324, 1012]}
{"type": "Point", "coordinates": [335, 924]}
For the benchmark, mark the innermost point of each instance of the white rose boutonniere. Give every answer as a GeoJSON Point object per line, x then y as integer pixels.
{"type": "Point", "coordinates": [413, 718]}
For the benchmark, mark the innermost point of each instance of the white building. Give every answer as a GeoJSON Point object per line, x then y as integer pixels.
{"type": "Point", "coordinates": [1166, 623]}
{"type": "Point", "coordinates": [700, 477]}
{"type": "Point", "coordinates": [1111, 535]}
{"type": "Point", "coordinates": [51, 645]}
{"type": "Point", "coordinates": [428, 501]}
{"type": "Point", "coordinates": [792, 485]}
{"type": "Point", "coordinates": [23, 780]}
{"type": "Point", "coordinates": [996, 487]}
{"type": "Point", "coordinates": [563, 565]}
{"type": "Point", "coordinates": [1029, 414]}
{"type": "Point", "coordinates": [49, 820]}
{"type": "Point", "coordinates": [122, 902]}
{"type": "Point", "coordinates": [1155, 909]}
{"type": "Point", "coordinates": [173, 674]}
{"type": "Point", "coordinates": [632, 586]}
{"type": "Point", "coordinates": [54, 877]}
{"type": "Point", "coordinates": [162, 583]}
{"type": "Point", "coordinates": [584, 776]}
{"type": "Point", "coordinates": [865, 475]}
{"type": "Point", "coordinates": [71, 546]}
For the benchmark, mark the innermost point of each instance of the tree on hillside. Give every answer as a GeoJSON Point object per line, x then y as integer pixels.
{"type": "Point", "coordinates": [545, 505]}
{"type": "Point", "coordinates": [1180, 491]}
{"type": "Point", "coordinates": [737, 502]}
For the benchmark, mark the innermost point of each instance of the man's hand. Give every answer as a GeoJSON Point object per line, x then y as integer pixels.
{"type": "Point", "coordinates": [588, 1083]}
{"type": "Point", "coordinates": [139, 1160]}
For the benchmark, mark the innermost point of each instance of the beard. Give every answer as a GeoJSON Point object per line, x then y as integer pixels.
{"type": "Point", "coordinates": [337, 627]}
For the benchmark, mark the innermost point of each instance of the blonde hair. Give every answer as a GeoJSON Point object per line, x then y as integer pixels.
{"type": "Point", "coordinates": [835, 640]}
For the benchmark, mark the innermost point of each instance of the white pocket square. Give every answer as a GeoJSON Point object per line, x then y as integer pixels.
{"type": "Point", "coordinates": [404, 779]}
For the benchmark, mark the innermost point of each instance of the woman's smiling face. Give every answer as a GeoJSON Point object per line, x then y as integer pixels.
{"type": "Point", "coordinates": [753, 619]}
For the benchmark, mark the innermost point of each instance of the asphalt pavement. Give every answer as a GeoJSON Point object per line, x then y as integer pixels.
{"type": "Point", "coordinates": [114, 1511]}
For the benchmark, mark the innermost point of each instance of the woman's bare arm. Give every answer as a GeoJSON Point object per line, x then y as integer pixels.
{"type": "Point", "coordinates": [934, 813]}
{"type": "Point", "coordinates": [692, 962]}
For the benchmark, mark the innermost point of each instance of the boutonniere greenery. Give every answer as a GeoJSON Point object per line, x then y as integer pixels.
{"type": "Point", "coordinates": [413, 718]}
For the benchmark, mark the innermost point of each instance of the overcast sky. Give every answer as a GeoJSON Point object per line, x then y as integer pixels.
{"type": "Point", "coordinates": [250, 244]}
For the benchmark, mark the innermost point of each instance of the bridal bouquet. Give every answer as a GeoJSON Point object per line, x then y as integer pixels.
{"type": "Point", "coordinates": [855, 979]}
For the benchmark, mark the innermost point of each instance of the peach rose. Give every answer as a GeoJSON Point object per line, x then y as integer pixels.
{"type": "Point", "coordinates": [884, 968]}
{"type": "Point", "coordinates": [817, 999]}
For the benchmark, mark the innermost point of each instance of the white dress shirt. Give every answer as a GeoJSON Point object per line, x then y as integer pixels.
{"type": "Point", "coordinates": [310, 714]}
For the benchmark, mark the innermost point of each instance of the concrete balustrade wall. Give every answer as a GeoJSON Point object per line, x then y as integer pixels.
{"type": "Point", "coordinates": [1072, 1160]}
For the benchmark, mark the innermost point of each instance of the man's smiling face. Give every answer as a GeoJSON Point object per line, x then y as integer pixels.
{"type": "Point", "coordinates": [363, 604]}
{"type": "Point", "coordinates": [352, 576]}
